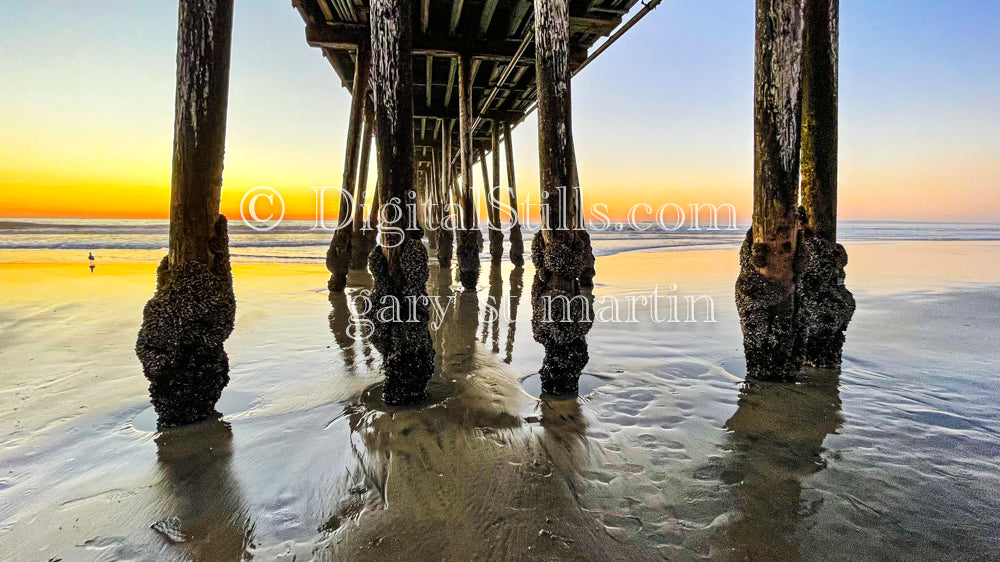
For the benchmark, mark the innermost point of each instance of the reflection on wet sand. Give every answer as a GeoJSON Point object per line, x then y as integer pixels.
{"type": "Point", "coordinates": [776, 441]}
{"type": "Point", "coordinates": [341, 324]}
{"type": "Point", "coordinates": [347, 327]}
{"type": "Point", "coordinates": [210, 519]}
{"type": "Point", "coordinates": [516, 286]}
{"type": "Point", "coordinates": [467, 477]}
{"type": "Point", "coordinates": [455, 338]}
{"type": "Point", "coordinates": [491, 324]}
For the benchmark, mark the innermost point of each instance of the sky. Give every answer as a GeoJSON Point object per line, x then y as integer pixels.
{"type": "Point", "coordinates": [663, 116]}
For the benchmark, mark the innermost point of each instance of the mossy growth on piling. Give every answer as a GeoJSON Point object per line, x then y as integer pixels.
{"type": "Point", "coordinates": [561, 316]}
{"type": "Point", "coordinates": [588, 272]}
{"type": "Point", "coordinates": [338, 259]}
{"type": "Point", "coordinates": [824, 306]}
{"type": "Point", "coordinates": [767, 315]}
{"type": "Point", "coordinates": [404, 341]}
{"type": "Point", "coordinates": [362, 244]}
{"type": "Point", "coordinates": [496, 245]}
{"type": "Point", "coordinates": [446, 248]}
{"type": "Point", "coordinates": [516, 246]}
{"type": "Point", "coordinates": [470, 245]}
{"type": "Point", "coordinates": [783, 330]}
{"type": "Point", "coordinates": [184, 327]}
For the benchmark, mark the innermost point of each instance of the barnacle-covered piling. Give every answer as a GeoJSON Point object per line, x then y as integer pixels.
{"type": "Point", "coordinates": [561, 316]}
{"type": "Point", "coordinates": [765, 289]}
{"type": "Point", "coordinates": [824, 306]}
{"type": "Point", "coordinates": [399, 267]}
{"type": "Point", "coordinates": [191, 314]}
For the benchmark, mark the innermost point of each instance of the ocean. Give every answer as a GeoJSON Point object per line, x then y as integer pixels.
{"type": "Point", "coordinates": [298, 241]}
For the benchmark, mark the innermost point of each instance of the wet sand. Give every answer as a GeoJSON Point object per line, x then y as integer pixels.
{"type": "Point", "coordinates": [668, 455]}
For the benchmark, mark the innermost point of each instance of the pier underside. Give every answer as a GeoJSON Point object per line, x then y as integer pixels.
{"type": "Point", "coordinates": [497, 36]}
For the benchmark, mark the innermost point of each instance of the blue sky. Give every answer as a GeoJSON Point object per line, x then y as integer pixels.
{"type": "Point", "coordinates": [86, 96]}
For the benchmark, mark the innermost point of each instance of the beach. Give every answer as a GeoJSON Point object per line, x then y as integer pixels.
{"type": "Point", "coordinates": [668, 453]}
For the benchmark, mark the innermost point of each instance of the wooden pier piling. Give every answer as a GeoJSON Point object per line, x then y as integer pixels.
{"type": "Point", "coordinates": [339, 255]}
{"type": "Point", "coordinates": [791, 296]}
{"type": "Point", "coordinates": [188, 319]}
{"type": "Point", "coordinates": [819, 116]}
{"type": "Point", "coordinates": [561, 317]}
{"type": "Point", "coordinates": [470, 239]}
{"type": "Point", "coordinates": [362, 238]}
{"type": "Point", "coordinates": [446, 232]}
{"type": "Point", "coordinates": [400, 268]}
{"type": "Point", "coordinates": [824, 306]}
{"type": "Point", "coordinates": [492, 193]}
{"type": "Point", "coordinates": [433, 215]}
{"type": "Point", "coordinates": [765, 289]}
{"type": "Point", "coordinates": [516, 241]}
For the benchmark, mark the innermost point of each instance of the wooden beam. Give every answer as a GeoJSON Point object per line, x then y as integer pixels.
{"type": "Point", "coordinates": [469, 238]}
{"type": "Point", "coordinates": [430, 77]}
{"type": "Point", "coordinates": [478, 143]}
{"type": "Point", "coordinates": [452, 113]}
{"type": "Point", "coordinates": [347, 36]}
{"type": "Point", "coordinates": [325, 8]}
{"type": "Point", "coordinates": [594, 26]}
{"type": "Point", "coordinates": [445, 233]}
{"type": "Point", "coordinates": [451, 82]}
{"type": "Point", "coordinates": [484, 21]}
{"type": "Point", "coordinates": [484, 166]}
{"type": "Point", "coordinates": [425, 14]}
{"type": "Point", "coordinates": [354, 135]}
{"type": "Point", "coordinates": [495, 151]}
{"type": "Point", "coordinates": [554, 119]}
{"type": "Point", "coordinates": [517, 15]}
{"type": "Point", "coordinates": [492, 196]}
{"type": "Point", "coordinates": [456, 15]}
{"type": "Point", "coordinates": [476, 63]}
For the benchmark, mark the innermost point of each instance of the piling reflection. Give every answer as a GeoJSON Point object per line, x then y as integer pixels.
{"type": "Point", "coordinates": [478, 471]}
{"type": "Point", "coordinates": [458, 333]}
{"type": "Point", "coordinates": [341, 325]}
{"type": "Point", "coordinates": [491, 323]}
{"type": "Point", "coordinates": [468, 478]}
{"type": "Point", "coordinates": [514, 300]}
{"type": "Point", "coordinates": [209, 518]}
{"type": "Point", "coordinates": [777, 440]}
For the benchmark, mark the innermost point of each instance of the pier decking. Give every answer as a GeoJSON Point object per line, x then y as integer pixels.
{"type": "Point", "coordinates": [496, 35]}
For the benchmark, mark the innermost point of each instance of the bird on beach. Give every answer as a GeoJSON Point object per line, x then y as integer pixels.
{"type": "Point", "coordinates": [90, 256]}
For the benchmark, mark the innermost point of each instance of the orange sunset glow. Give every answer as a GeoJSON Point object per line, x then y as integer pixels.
{"type": "Point", "coordinates": [88, 133]}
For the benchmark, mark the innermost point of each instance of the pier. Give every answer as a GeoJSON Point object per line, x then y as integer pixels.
{"type": "Point", "coordinates": [438, 84]}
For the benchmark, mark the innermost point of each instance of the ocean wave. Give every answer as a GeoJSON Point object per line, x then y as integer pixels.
{"type": "Point", "coordinates": [301, 242]}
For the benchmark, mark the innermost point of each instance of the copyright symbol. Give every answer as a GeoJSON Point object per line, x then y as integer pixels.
{"type": "Point", "coordinates": [248, 205]}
